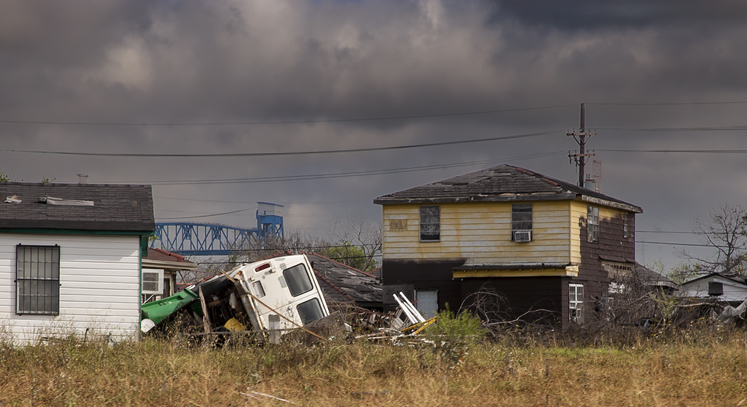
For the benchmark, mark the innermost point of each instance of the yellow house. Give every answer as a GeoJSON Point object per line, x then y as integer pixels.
{"type": "Point", "coordinates": [537, 242]}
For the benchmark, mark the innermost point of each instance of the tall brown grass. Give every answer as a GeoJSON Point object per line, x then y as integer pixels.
{"type": "Point", "coordinates": [705, 366]}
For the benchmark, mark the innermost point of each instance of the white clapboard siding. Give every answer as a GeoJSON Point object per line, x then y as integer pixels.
{"type": "Point", "coordinates": [99, 287]}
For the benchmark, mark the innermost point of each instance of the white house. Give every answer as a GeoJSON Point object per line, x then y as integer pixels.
{"type": "Point", "coordinates": [70, 259]}
{"type": "Point", "coordinates": [724, 287]}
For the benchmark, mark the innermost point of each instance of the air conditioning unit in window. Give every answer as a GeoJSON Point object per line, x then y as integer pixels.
{"type": "Point", "coordinates": [523, 236]}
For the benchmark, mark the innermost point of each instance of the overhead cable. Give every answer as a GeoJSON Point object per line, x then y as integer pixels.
{"type": "Point", "coordinates": [344, 174]}
{"type": "Point", "coordinates": [284, 153]}
{"type": "Point", "coordinates": [269, 122]}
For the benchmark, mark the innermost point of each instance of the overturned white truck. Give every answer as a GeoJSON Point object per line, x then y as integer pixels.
{"type": "Point", "coordinates": [276, 294]}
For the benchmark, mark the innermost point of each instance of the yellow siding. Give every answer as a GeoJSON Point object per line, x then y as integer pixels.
{"type": "Point", "coordinates": [578, 220]}
{"type": "Point", "coordinates": [606, 213]}
{"type": "Point", "coordinates": [480, 233]}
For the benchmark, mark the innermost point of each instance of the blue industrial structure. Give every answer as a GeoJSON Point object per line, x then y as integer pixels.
{"type": "Point", "coordinates": [202, 239]}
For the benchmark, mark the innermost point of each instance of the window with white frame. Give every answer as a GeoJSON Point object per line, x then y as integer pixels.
{"type": "Point", "coordinates": [592, 224]}
{"type": "Point", "coordinates": [152, 281]}
{"type": "Point", "coordinates": [37, 280]}
{"type": "Point", "coordinates": [521, 222]}
{"type": "Point", "coordinates": [626, 233]}
{"type": "Point", "coordinates": [576, 303]}
{"type": "Point", "coordinates": [430, 223]}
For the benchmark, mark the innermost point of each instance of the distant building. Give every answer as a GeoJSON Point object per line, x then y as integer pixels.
{"type": "Point", "coordinates": [720, 286]}
{"type": "Point", "coordinates": [539, 242]}
{"type": "Point", "coordinates": [160, 270]}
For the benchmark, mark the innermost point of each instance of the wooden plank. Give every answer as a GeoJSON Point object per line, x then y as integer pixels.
{"type": "Point", "coordinates": [205, 315]}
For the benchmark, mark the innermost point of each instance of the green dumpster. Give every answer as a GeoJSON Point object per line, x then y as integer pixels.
{"type": "Point", "coordinates": [159, 310]}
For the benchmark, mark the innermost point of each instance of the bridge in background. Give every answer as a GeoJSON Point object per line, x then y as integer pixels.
{"type": "Point", "coordinates": [204, 239]}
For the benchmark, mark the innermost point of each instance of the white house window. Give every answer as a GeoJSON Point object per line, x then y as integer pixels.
{"type": "Point", "coordinates": [592, 224]}
{"type": "Point", "coordinates": [626, 233]}
{"type": "Point", "coordinates": [430, 223]}
{"type": "Point", "coordinates": [152, 281]}
{"type": "Point", "coordinates": [37, 280]}
{"type": "Point", "coordinates": [576, 304]}
{"type": "Point", "coordinates": [521, 222]}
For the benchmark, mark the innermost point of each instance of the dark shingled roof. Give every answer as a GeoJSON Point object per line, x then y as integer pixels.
{"type": "Point", "coordinates": [343, 283]}
{"type": "Point", "coordinates": [501, 183]}
{"type": "Point", "coordinates": [652, 278]}
{"type": "Point", "coordinates": [116, 208]}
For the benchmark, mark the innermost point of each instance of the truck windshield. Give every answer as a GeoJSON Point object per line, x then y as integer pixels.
{"type": "Point", "coordinates": [297, 279]}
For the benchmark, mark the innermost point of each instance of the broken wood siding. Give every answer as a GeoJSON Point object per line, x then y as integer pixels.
{"type": "Point", "coordinates": [480, 233]}
{"type": "Point", "coordinates": [611, 243]}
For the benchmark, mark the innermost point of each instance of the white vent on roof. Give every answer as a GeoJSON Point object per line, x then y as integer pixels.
{"type": "Point", "coordinates": [523, 236]}
{"type": "Point", "coordinates": [50, 200]}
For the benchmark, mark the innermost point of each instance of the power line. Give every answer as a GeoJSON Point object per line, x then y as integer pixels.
{"type": "Point", "coordinates": [286, 153]}
{"type": "Point", "coordinates": [343, 174]}
{"type": "Point", "coordinates": [357, 119]}
{"type": "Point", "coordinates": [676, 244]}
{"type": "Point", "coordinates": [270, 122]}
{"type": "Point", "coordinates": [736, 102]}
{"type": "Point", "coordinates": [683, 151]}
{"type": "Point", "coordinates": [668, 129]}
{"type": "Point", "coordinates": [207, 216]}
{"type": "Point", "coordinates": [667, 232]}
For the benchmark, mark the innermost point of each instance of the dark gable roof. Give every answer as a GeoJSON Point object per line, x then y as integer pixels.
{"type": "Point", "coordinates": [116, 208]}
{"type": "Point", "coordinates": [502, 183]}
{"type": "Point", "coordinates": [343, 283]}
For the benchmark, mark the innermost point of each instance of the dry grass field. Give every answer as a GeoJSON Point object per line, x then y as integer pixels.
{"type": "Point", "coordinates": [698, 367]}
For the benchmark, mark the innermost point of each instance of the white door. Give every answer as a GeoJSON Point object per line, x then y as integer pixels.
{"type": "Point", "coordinates": [427, 302]}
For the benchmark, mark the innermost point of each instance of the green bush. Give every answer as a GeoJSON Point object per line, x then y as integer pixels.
{"type": "Point", "coordinates": [463, 326]}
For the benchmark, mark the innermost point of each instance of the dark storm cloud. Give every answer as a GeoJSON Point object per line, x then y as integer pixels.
{"type": "Point", "coordinates": [252, 61]}
{"type": "Point", "coordinates": [586, 15]}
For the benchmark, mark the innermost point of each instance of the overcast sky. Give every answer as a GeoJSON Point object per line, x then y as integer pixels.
{"type": "Point", "coordinates": [228, 77]}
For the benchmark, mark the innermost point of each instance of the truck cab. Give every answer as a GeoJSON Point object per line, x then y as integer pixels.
{"type": "Point", "coordinates": [284, 286]}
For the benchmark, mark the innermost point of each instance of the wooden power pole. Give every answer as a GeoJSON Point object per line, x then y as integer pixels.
{"type": "Point", "coordinates": [582, 157]}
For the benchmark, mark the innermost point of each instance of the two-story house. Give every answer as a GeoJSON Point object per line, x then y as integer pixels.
{"type": "Point", "coordinates": [538, 242]}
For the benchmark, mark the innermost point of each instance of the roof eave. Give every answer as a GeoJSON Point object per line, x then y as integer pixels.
{"type": "Point", "coordinates": [170, 265]}
{"type": "Point", "coordinates": [611, 204]}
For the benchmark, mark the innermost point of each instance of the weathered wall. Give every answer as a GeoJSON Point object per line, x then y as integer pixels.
{"type": "Point", "coordinates": [426, 275]}
{"type": "Point", "coordinates": [480, 233]}
{"type": "Point", "coordinates": [524, 294]}
{"type": "Point", "coordinates": [611, 243]}
{"type": "Point", "coordinates": [99, 287]}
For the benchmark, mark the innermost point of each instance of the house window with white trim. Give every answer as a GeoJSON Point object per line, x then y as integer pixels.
{"type": "Point", "coordinates": [430, 223]}
{"type": "Point", "coordinates": [37, 280]}
{"type": "Point", "coordinates": [576, 303]}
{"type": "Point", "coordinates": [592, 224]}
{"type": "Point", "coordinates": [521, 222]}
{"type": "Point", "coordinates": [626, 233]}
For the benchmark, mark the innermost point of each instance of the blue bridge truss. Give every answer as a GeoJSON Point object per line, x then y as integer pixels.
{"type": "Point", "coordinates": [204, 239]}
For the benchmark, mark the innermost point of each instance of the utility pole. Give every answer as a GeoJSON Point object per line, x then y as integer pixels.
{"type": "Point", "coordinates": [581, 158]}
